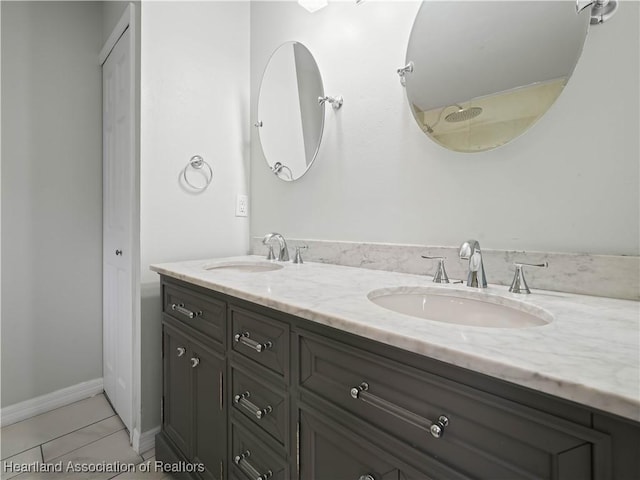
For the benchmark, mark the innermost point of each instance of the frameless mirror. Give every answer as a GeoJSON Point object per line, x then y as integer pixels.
{"type": "Point", "coordinates": [290, 118]}
{"type": "Point", "coordinates": [483, 72]}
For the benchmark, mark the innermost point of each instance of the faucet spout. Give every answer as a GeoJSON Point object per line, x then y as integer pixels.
{"type": "Point", "coordinates": [470, 250]}
{"type": "Point", "coordinates": [283, 252]}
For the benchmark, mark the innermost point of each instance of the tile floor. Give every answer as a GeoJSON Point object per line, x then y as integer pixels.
{"type": "Point", "coordinates": [82, 434]}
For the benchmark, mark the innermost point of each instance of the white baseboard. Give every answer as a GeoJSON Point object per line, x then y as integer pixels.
{"type": "Point", "coordinates": [143, 442]}
{"type": "Point", "coordinates": [35, 406]}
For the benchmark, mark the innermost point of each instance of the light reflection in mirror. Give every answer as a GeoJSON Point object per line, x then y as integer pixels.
{"type": "Point", "coordinates": [290, 119]}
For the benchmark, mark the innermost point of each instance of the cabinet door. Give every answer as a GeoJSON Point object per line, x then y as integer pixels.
{"type": "Point", "coordinates": [177, 389]}
{"type": "Point", "coordinates": [328, 452]}
{"type": "Point", "coordinates": [209, 413]}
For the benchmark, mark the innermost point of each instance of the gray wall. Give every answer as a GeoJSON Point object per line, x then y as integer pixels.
{"type": "Point", "coordinates": [111, 13]}
{"type": "Point", "coordinates": [51, 197]}
{"type": "Point", "coordinates": [569, 184]}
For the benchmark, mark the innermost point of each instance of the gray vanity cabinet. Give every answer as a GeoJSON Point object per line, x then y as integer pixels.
{"type": "Point", "coordinates": [194, 415]}
{"type": "Point", "coordinates": [274, 396]}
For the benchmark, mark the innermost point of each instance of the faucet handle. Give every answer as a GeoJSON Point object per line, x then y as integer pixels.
{"type": "Point", "coordinates": [270, 255]}
{"type": "Point", "coordinates": [298, 257]}
{"type": "Point", "coordinates": [441, 274]}
{"type": "Point", "coordinates": [519, 283]}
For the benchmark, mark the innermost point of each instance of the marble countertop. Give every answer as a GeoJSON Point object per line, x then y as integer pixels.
{"type": "Point", "coordinates": [589, 353]}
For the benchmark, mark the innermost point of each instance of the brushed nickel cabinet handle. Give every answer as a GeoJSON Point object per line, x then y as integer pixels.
{"type": "Point", "coordinates": [179, 307]}
{"type": "Point", "coordinates": [247, 468]}
{"type": "Point", "coordinates": [245, 339]}
{"type": "Point", "coordinates": [242, 400]}
{"type": "Point", "coordinates": [181, 351]}
{"type": "Point", "coordinates": [195, 361]}
{"type": "Point", "coordinates": [368, 476]}
{"type": "Point", "coordinates": [436, 429]}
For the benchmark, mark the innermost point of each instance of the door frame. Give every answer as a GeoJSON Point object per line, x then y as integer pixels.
{"type": "Point", "coordinates": [128, 21]}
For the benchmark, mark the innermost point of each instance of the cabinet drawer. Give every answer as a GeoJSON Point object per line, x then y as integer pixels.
{"type": "Point", "coordinates": [251, 459]}
{"type": "Point", "coordinates": [205, 314]}
{"type": "Point", "coordinates": [261, 339]}
{"type": "Point", "coordinates": [260, 403]}
{"type": "Point", "coordinates": [329, 451]}
{"type": "Point", "coordinates": [478, 434]}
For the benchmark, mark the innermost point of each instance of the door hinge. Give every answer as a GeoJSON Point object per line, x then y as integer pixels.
{"type": "Point", "coordinates": [220, 389]}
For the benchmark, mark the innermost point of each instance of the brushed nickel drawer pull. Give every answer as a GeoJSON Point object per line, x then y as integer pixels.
{"type": "Point", "coordinates": [246, 467]}
{"type": "Point", "coordinates": [180, 309]}
{"type": "Point", "coordinates": [250, 406]}
{"type": "Point", "coordinates": [181, 351]}
{"type": "Point", "coordinates": [436, 428]}
{"type": "Point", "coordinates": [195, 361]}
{"type": "Point", "coordinates": [258, 347]}
{"type": "Point", "coordinates": [368, 476]}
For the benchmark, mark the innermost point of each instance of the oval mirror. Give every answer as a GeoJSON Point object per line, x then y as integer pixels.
{"type": "Point", "coordinates": [484, 72]}
{"type": "Point", "coordinates": [290, 119]}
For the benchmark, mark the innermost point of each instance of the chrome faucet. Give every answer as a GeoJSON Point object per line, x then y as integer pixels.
{"type": "Point", "coordinates": [470, 250]}
{"type": "Point", "coordinates": [283, 253]}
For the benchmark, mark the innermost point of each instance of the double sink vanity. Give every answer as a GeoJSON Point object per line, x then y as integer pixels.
{"type": "Point", "coordinates": [316, 371]}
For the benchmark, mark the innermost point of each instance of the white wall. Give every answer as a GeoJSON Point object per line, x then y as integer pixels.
{"type": "Point", "coordinates": [570, 184]}
{"type": "Point", "coordinates": [195, 100]}
{"type": "Point", "coordinates": [51, 197]}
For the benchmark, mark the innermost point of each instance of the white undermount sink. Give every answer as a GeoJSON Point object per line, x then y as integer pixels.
{"type": "Point", "coordinates": [471, 308]}
{"type": "Point", "coordinates": [245, 267]}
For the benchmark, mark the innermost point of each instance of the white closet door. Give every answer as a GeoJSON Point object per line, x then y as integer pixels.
{"type": "Point", "coordinates": [118, 211]}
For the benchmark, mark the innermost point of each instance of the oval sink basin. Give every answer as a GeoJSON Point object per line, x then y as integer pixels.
{"type": "Point", "coordinates": [245, 267]}
{"type": "Point", "coordinates": [474, 308]}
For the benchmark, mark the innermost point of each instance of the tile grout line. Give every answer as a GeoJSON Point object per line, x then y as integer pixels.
{"type": "Point", "coordinates": [77, 430]}
{"type": "Point", "coordinates": [123, 473]}
{"type": "Point", "coordinates": [86, 444]}
{"type": "Point", "coordinates": [56, 438]}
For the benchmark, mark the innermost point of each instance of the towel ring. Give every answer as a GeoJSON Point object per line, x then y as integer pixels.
{"type": "Point", "coordinates": [197, 162]}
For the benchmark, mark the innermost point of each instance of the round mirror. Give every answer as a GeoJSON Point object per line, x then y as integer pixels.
{"type": "Point", "coordinates": [290, 118]}
{"type": "Point", "coordinates": [484, 72]}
